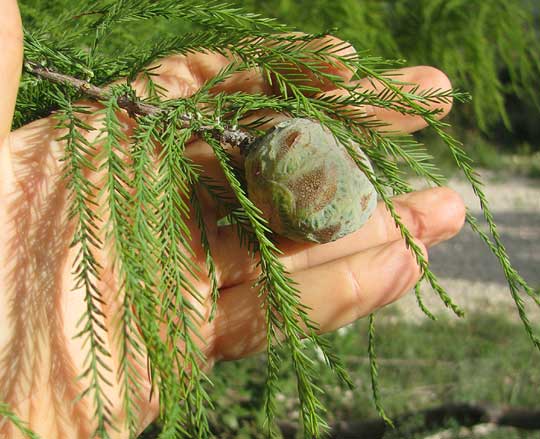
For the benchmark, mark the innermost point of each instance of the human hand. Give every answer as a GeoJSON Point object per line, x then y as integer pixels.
{"type": "Point", "coordinates": [40, 305]}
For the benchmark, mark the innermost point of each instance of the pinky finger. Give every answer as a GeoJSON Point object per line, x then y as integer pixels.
{"type": "Point", "coordinates": [336, 293]}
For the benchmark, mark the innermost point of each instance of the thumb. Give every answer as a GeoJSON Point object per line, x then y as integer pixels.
{"type": "Point", "coordinates": [11, 53]}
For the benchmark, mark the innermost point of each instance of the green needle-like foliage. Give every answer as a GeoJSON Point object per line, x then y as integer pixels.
{"type": "Point", "coordinates": [86, 267]}
{"type": "Point", "coordinates": [118, 201]}
{"type": "Point", "coordinates": [151, 191]}
{"type": "Point", "coordinates": [374, 370]}
{"type": "Point", "coordinates": [6, 413]}
{"type": "Point", "coordinates": [473, 41]}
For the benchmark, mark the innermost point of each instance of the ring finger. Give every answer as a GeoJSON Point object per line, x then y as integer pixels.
{"type": "Point", "coordinates": [335, 294]}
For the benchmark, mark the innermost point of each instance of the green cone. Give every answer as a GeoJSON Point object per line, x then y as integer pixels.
{"type": "Point", "coordinates": [306, 184]}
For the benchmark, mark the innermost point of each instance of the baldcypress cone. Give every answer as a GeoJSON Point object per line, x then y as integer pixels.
{"type": "Point", "coordinates": [306, 184]}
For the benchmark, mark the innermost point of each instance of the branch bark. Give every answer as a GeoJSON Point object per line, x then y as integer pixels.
{"type": "Point", "coordinates": [134, 107]}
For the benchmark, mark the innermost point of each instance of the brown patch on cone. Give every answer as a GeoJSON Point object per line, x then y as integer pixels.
{"type": "Point", "coordinates": [314, 190]}
{"type": "Point", "coordinates": [364, 201]}
{"type": "Point", "coordinates": [291, 138]}
{"type": "Point", "coordinates": [287, 144]}
{"type": "Point", "coordinates": [326, 234]}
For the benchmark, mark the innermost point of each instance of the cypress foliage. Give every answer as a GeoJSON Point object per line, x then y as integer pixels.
{"type": "Point", "coordinates": [151, 193]}
{"type": "Point", "coordinates": [489, 48]}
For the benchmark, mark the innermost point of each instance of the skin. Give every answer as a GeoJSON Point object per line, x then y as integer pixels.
{"type": "Point", "coordinates": [40, 305]}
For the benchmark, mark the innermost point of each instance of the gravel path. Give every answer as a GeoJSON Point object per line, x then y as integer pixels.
{"type": "Point", "coordinates": [466, 268]}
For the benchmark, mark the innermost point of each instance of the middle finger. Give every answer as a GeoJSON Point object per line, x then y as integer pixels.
{"type": "Point", "coordinates": [432, 216]}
